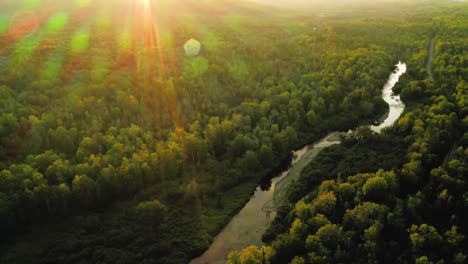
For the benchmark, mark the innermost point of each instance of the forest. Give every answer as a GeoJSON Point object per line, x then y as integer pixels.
{"type": "Point", "coordinates": [116, 146]}
{"type": "Point", "coordinates": [396, 197]}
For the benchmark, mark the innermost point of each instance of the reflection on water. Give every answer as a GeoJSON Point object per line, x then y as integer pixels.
{"type": "Point", "coordinates": [396, 105]}
{"type": "Point", "coordinates": [247, 227]}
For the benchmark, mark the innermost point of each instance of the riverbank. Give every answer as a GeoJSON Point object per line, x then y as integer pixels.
{"type": "Point", "coordinates": [310, 152]}
{"type": "Point", "coordinates": [247, 226]}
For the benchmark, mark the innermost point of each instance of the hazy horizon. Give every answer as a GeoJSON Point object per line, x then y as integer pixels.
{"type": "Point", "coordinates": [302, 3]}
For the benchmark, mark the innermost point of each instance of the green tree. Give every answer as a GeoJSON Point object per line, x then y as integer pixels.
{"type": "Point", "coordinates": [84, 190]}
{"type": "Point", "coordinates": [152, 213]}
{"type": "Point", "coordinates": [375, 189]}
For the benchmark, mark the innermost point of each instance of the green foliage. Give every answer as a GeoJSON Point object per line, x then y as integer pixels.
{"type": "Point", "coordinates": [84, 190]}
{"type": "Point", "coordinates": [151, 212]}
{"type": "Point", "coordinates": [8, 124]}
{"type": "Point", "coordinates": [116, 151]}
{"type": "Point", "coordinates": [250, 255]}
{"type": "Point", "coordinates": [407, 208]}
{"type": "Point", "coordinates": [375, 188]}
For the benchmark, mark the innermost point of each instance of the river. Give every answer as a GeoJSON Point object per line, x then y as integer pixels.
{"type": "Point", "coordinates": [395, 104]}
{"type": "Point", "coordinates": [246, 228]}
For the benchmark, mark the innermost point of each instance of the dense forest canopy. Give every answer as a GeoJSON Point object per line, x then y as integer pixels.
{"type": "Point", "coordinates": [398, 197]}
{"type": "Point", "coordinates": [120, 145]}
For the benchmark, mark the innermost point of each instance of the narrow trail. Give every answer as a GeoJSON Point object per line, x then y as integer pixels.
{"type": "Point", "coordinates": [430, 58]}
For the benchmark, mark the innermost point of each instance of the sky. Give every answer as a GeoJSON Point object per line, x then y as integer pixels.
{"type": "Point", "coordinates": [280, 2]}
{"type": "Point", "coordinates": [293, 3]}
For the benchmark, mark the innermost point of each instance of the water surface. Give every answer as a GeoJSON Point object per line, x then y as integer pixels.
{"type": "Point", "coordinates": [246, 228]}
{"type": "Point", "coordinates": [396, 105]}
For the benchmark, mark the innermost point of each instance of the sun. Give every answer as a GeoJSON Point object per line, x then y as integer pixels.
{"type": "Point", "coordinates": [144, 2]}
{"type": "Point", "coordinates": [144, 7]}
{"type": "Point", "coordinates": [145, 20]}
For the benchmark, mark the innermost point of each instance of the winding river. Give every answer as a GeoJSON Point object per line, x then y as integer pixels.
{"type": "Point", "coordinates": [246, 228]}
{"type": "Point", "coordinates": [396, 105]}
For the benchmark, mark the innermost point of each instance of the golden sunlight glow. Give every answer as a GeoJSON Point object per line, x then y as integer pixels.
{"type": "Point", "coordinates": [153, 62]}
{"type": "Point", "coordinates": [144, 2]}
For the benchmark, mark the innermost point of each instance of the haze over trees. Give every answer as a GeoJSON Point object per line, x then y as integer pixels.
{"type": "Point", "coordinates": [346, 208]}
{"type": "Point", "coordinates": [117, 147]}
